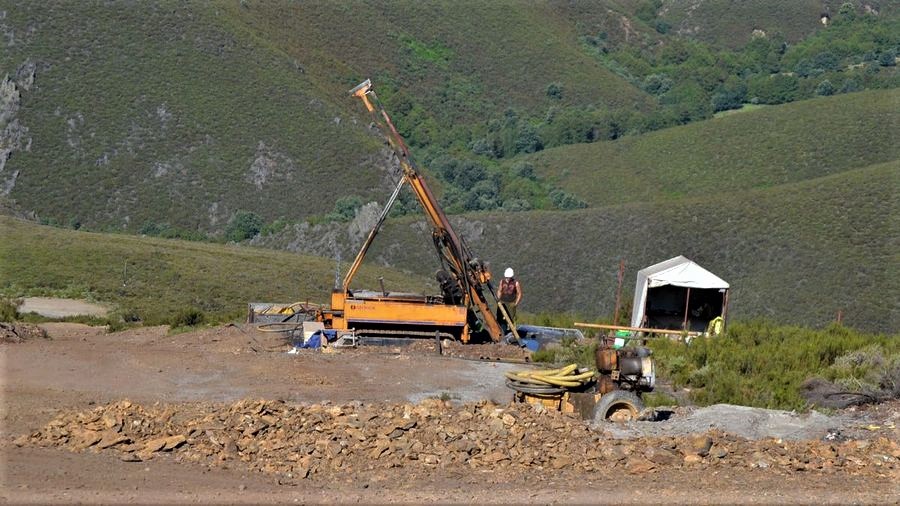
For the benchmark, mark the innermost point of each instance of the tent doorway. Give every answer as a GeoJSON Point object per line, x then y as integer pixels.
{"type": "Point", "coordinates": [683, 308]}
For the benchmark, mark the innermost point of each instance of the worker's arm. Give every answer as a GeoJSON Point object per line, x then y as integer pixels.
{"type": "Point", "coordinates": [518, 292]}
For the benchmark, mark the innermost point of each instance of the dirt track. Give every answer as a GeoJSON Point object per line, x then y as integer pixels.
{"type": "Point", "coordinates": [81, 367]}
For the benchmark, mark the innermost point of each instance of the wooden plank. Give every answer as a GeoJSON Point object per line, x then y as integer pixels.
{"type": "Point", "coordinates": [635, 329]}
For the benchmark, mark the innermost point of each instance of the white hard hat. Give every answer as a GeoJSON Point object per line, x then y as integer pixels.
{"type": "Point", "coordinates": [508, 272]}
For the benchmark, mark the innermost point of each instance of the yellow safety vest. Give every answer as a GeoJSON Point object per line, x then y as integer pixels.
{"type": "Point", "coordinates": [715, 326]}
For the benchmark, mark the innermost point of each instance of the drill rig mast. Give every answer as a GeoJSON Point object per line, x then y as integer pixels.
{"type": "Point", "coordinates": [465, 280]}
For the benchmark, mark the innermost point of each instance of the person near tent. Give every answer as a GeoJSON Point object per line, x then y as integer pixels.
{"type": "Point", "coordinates": [510, 295]}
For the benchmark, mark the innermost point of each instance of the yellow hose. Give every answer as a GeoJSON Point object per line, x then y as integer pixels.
{"type": "Point", "coordinates": [562, 377]}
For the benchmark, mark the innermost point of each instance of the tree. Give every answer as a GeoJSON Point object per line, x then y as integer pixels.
{"type": "Point", "coordinates": [528, 140]}
{"type": "Point", "coordinates": [657, 84]}
{"type": "Point", "coordinates": [825, 88]}
{"type": "Point", "coordinates": [826, 61]}
{"type": "Point", "coordinates": [243, 225]}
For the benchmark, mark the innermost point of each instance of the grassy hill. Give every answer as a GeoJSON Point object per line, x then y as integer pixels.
{"type": "Point", "coordinates": [796, 253]}
{"type": "Point", "coordinates": [755, 149]}
{"type": "Point", "coordinates": [154, 279]}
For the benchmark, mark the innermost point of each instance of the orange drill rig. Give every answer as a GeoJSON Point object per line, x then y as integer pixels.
{"type": "Point", "coordinates": [462, 311]}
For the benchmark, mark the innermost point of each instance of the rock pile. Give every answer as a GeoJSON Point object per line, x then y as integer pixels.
{"type": "Point", "coordinates": [19, 332]}
{"type": "Point", "coordinates": [305, 441]}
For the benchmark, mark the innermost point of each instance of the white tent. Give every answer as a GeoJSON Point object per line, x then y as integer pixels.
{"type": "Point", "coordinates": [677, 272]}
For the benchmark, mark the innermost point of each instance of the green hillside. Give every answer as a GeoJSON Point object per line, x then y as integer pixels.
{"type": "Point", "coordinates": [228, 106]}
{"type": "Point", "coordinates": [756, 149]}
{"type": "Point", "coordinates": [730, 23]}
{"type": "Point", "coordinates": [796, 253]}
{"type": "Point", "coordinates": [136, 108]}
{"type": "Point", "coordinates": [154, 279]}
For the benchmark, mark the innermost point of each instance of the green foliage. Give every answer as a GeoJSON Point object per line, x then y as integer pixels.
{"type": "Point", "coordinates": [434, 53]}
{"type": "Point", "coordinates": [825, 88]}
{"type": "Point", "coordinates": [657, 399]}
{"type": "Point", "coordinates": [873, 369]}
{"type": "Point", "coordinates": [345, 208]}
{"type": "Point", "coordinates": [565, 201]}
{"type": "Point", "coordinates": [275, 227]}
{"type": "Point", "coordinates": [243, 225]}
{"type": "Point", "coordinates": [187, 317]}
{"type": "Point", "coordinates": [555, 91]}
{"type": "Point", "coordinates": [8, 310]}
{"type": "Point", "coordinates": [568, 352]}
{"type": "Point", "coordinates": [760, 364]}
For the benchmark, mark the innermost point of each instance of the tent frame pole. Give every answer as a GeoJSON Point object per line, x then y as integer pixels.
{"type": "Point", "coordinates": [687, 301]}
{"type": "Point", "coordinates": [725, 309]}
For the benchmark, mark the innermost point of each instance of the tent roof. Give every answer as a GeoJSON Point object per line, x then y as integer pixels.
{"type": "Point", "coordinates": [680, 271]}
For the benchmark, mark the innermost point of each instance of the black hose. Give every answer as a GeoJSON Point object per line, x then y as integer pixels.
{"type": "Point", "coordinates": [528, 388]}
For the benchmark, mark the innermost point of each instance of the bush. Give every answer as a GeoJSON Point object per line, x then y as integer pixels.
{"type": "Point", "coordinates": [825, 88]}
{"type": "Point", "coordinates": [569, 351]}
{"type": "Point", "coordinates": [243, 225]}
{"type": "Point", "coordinates": [872, 370]}
{"type": "Point", "coordinates": [565, 201]}
{"type": "Point", "coordinates": [555, 91]}
{"type": "Point", "coordinates": [345, 209]}
{"type": "Point", "coordinates": [850, 86]}
{"type": "Point", "coordinates": [764, 365]}
{"type": "Point", "coordinates": [189, 317]}
{"type": "Point", "coordinates": [657, 84]}
{"type": "Point", "coordinates": [9, 310]}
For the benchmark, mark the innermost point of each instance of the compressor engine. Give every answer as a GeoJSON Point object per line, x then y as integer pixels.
{"type": "Point", "coordinates": [629, 368]}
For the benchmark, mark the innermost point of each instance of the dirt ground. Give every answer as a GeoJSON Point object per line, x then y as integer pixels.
{"type": "Point", "coordinates": [79, 368]}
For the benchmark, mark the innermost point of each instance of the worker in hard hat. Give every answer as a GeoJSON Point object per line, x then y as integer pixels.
{"type": "Point", "coordinates": [510, 294]}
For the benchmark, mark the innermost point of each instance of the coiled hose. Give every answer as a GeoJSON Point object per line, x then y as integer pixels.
{"type": "Point", "coordinates": [549, 382]}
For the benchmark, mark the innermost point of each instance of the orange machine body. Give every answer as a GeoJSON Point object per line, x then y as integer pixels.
{"type": "Point", "coordinates": [406, 314]}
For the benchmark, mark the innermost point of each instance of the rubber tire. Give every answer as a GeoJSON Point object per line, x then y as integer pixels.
{"type": "Point", "coordinates": [617, 399]}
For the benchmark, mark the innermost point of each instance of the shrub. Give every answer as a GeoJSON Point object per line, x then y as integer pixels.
{"type": "Point", "coordinates": [761, 364]}
{"type": "Point", "coordinates": [871, 369]}
{"type": "Point", "coordinates": [345, 209]}
{"type": "Point", "coordinates": [9, 310]}
{"type": "Point", "coordinates": [657, 84]}
{"type": "Point", "coordinates": [555, 91]}
{"type": "Point", "coordinates": [569, 351]}
{"type": "Point", "coordinates": [243, 225]}
{"type": "Point", "coordinates": [565, 201]}
{"type": "Point", "coordinates": [528, 140]}
{"type": "Point", "coordinates": [524, 170]}
{"type": "Point", "coordinates": [825, 88]}
{"type": "Point", "coordinates": [188, 317]}
{"type": "Point", "coordinates": [850, 85]}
